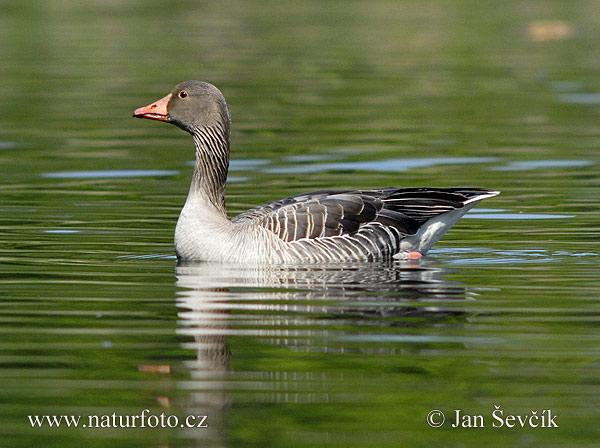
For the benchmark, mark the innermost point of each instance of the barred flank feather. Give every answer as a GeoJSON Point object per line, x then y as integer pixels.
{"type": "Point", "coordinates": [341, 225]}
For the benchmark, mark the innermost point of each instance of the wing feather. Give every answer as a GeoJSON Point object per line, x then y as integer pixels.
{"type": "Point", "coordinates": [373, 221]}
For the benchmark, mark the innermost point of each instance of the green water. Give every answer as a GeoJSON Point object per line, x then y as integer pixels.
{"type": "Point", "coordinates": [97, 318]}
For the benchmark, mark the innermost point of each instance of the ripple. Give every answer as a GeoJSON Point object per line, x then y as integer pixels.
{"type": "Point", "coordinates": [515, 216]}
{"type": "Point", "coordinates": [240, 164]}
{"type": "Point", "coordinates": [418, 338]}
{"type": "Point", "coordinates": [234, 179]}
{"type": "Point", "coordinates": [565, 86]}
{"type": "Point", "coordinates": [308, 158]}
{"type": "Point", "coordinates": [580, 98]}
{"type": "Point", "coordinates": [7, 145]}
{"type": "Point", "coordinates": [106, 174]}
{"type": "Point", "coordinates": [148, 256]}
{"type": "Point", "coordinates": [388, 165]}
{"type": "Point", "coordinates": [74, 231]}
{"type": "Point", "coordinates": [497, 261]}
{"type": "Point", "coordinates": [535, 164]}
{"type": "Point", "coordinates": [501, 257]}
{"type": "Point", "coordinates": [244, 164]}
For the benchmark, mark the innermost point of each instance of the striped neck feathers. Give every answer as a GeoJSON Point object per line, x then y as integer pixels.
{"type": "Point", "coordinates": [212, 164]}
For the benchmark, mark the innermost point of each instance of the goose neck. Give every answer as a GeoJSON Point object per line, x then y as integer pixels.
{"type": "Point", "coordinates": [212, 164]}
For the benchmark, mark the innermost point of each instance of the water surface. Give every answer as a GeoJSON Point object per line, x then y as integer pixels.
{"type": "Point", "coordinates": [97, 318]}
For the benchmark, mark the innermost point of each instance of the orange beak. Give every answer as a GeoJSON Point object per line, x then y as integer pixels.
{"type": "Point", "coordinates": [155, 111]}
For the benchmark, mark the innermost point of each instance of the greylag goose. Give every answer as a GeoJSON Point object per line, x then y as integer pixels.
{"type": "Point", "coordinates": [321, 226]}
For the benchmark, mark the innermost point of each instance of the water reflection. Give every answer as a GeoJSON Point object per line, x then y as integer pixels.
{"type": "Point", "coordinates": [361, 289]}
{"type": "Point", "coordinates": [526, 165]}
{"type": "Point", "coordinates": [388, 165]}
{"type": "Point", "coordinates": [109, 174]}
{"type": "Point", "coordinates": [300, 308]}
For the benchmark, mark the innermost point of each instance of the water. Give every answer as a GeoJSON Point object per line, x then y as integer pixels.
{"type": "Point", "coordinates": [97, 318]}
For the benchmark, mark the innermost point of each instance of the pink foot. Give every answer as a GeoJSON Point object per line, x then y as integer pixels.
{"type": "Point", "coordinates": [413, 255]}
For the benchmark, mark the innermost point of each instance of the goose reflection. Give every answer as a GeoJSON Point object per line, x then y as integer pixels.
{"type": "Point", "coordinates": [299, 307]}
{"type": "Point", "coordinates": [301, 292]}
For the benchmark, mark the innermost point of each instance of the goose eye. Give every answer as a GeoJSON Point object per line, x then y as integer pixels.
{"type": "Point", "coordinates": [183, 94]}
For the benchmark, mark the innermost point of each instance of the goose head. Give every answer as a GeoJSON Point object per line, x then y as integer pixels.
{"type": "Point", "coordinates": [191, 105]}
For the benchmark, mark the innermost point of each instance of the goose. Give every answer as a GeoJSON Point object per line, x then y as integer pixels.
{"type": "Point", "coordinates": [325, 226]}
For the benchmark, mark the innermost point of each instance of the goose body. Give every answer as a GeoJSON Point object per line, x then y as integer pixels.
{"type": "Point", "coordinates": [321, 226]}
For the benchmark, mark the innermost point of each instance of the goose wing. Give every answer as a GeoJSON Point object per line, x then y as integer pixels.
{"type": "Point", "coordinates": [325, 213]}
{"type": "Point", "coordinates": [330, 213]}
